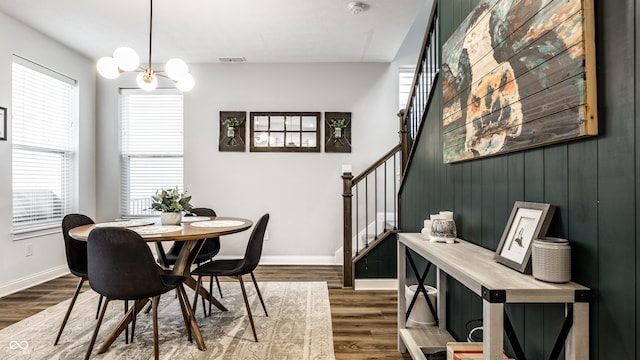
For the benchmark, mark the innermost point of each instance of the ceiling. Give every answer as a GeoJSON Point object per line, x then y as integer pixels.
{"type": "Point", "coordinates": [202, 31]}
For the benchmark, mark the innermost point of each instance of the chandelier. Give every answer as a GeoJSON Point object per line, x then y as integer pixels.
{"type": "Point", "coordinates": [126, 59]}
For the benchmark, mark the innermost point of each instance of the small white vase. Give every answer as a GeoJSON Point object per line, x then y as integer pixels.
{"type": "Point", "coordinates": [231, 132]}
{"type": "Point", "coordinates": [170, 218]}
{"type": "Point", "coordinates": [337, 133]}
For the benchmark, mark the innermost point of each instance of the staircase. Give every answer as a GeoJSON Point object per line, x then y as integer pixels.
{"type": "Point", "coordinates": [370, 199]}
{"type": "Point", "coordinates": [370, 209]}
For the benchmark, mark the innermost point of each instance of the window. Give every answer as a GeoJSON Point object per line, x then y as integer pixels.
{"type": "Point", "coordinates": [286, 132]}
{"type": "Point", "coordinates": [44, 110]}
{"type": "Point", "coordinates": [151, 147]}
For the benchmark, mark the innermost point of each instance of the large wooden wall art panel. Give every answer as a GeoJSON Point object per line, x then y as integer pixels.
{"type": "Point", "coordinates": [518, 74]}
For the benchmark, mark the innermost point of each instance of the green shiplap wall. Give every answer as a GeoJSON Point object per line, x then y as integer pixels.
{"type": "Point", "coordinates": [378, 264]}
{"type": "Point", "coordinates": [592, 182]}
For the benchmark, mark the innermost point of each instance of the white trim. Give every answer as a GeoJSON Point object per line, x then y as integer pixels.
{"type": "Point", "coordinates": [33, 280]}
{"type": "Point", "coordinates": [375, 284]}
{"type": "Point", "coordinates": [289, 260]}
{"type": "Point", "coordinates": [297, 260]}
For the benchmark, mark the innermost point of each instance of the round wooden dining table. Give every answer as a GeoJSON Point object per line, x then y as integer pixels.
{"type": "Point", "coordinates": [192, 233]}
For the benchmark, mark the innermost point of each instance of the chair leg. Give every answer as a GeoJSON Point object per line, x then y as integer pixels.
{"type": "Point", "coordinates": [95, 332]}
{"type": "Point", "coordinates": [184, 314]}
{"type": "Point", "coordinates": [246, 303]}
{"type": "Point", "coordinates": [156, 348]}
{"type": "Point", "coordinates": [133, 319]}
{"type": "Point", "coordinates": [204, 309]}
{"type": "Point", "coordinates": [66, 316]}
{"type": "Point", "coordinates": [210, 293]}
{"type": "Point", "coordinates": [219, 288]}
{"type": "Point", "coordinates": [255, 283]}
{"type": "Point", "coordinates": [195, 296]}
{"type": "Point", "coordinates": [126, 330]}
{"type": "Point", "coordinates": [99, 306]}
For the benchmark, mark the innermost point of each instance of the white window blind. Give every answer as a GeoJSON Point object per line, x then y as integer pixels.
{"type": "Point", "coordinates": [151, 147]}
{"type": "Point", "coordinates": [405, 77]}
{"type": "Point", "coordinates": [44, 107]}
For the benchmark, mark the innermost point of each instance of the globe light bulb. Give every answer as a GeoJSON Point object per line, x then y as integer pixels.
{"type": "Point", "coordinates": [186, 83]}
{"type": "Point", "coordinates": [126, 58]}
{"type": "Point", "coordinates": [108, 68]}
{"type": "Point", "coordinates": [176, 69]}
{"type": "Point", "coordinates": [147, 80]}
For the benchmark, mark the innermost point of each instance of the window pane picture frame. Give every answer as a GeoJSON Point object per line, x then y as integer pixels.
{"type": "Point", "coordinates": [284, 132]}
{"type": "Point", "coordinates": [527, 222]}
{"type": "Point", "coordinates": [3, 127]}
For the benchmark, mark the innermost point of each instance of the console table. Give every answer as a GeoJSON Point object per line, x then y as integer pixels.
{"type": "Point", "coordinates": [474, 267]}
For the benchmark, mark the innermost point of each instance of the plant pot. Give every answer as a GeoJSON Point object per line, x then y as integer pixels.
{"type": "Point", "coordinates": [170, 218]}
{"type": "Point", "coordinates": [337, 132]}
{"type": "Point", "coordinates": [231, 132]}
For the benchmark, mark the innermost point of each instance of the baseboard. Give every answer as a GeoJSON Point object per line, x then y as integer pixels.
{"type": "Point", "coordinates": [289, 260]}
{"type": "Point", "coordinates": [375, 284]}
{"type": "Point", "coordinates": [33, 280]}
{"type": "Point", "coordinates": [297, 260]}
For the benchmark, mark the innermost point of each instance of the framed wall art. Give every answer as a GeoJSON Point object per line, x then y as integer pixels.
{"type": "Point", "coordinates": [284, 132]}
{"type": "Point", "coordinates": [3, 126]}
{"type": "Point", "coordinates": [517, 75]}
{"type": "Point", "coordinates": [527, 222]}
{"type": "Point", "coordinates": [337, 132]}
{"type": "Point", "coordinates": [232, 131]}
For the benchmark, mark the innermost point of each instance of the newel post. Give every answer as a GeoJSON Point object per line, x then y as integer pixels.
{"type": "Point", "coordinates": [404, 138]}
{"type": "Point", "coordinates": [347, 179]}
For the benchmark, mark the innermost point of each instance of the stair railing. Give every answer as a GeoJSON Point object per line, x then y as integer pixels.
{"type": "Point", "coordinates": [361, 194]}
{"type": "Point", "coordinates": [427, 68]}
{"type": "Point", "coordinates": [369, 207]}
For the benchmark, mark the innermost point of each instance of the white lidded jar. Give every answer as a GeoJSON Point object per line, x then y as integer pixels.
{"type": "Point", "coordinates": [551, 260]}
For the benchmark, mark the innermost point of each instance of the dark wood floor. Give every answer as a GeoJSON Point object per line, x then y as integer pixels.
{"type": "Point", "coordinates": [364, 322]}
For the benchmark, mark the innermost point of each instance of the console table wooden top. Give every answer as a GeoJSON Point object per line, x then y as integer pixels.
{"type": "Point", "coordinates": [475, 268]}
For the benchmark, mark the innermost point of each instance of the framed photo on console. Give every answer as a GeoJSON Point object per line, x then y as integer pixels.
{"type": "Point", "coordinates": [527, 222]}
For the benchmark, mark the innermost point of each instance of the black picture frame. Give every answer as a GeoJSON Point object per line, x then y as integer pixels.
{"type": "Point", "coordinates": [3, 115]}
{"type": "Point", "coordinates": [337, 141]}
{"type": "Point", "coordinates": [232, 139]}
{"type": "Point", "coordinates": [527, 222]}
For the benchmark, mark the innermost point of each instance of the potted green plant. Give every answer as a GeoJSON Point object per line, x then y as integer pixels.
{"type": "Point", "coordinates": [231, 123]}
{"type": "Point", "coordinates": [338, 125]}
{"type": "Point", "coordinates": [172, 203]}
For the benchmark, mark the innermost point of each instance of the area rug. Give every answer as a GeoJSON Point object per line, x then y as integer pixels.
{"type": "Point", "coordinates": [298, 327]}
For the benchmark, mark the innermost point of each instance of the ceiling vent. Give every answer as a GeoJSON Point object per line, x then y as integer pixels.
{"type": "Point", "coordinates": [232, 59]}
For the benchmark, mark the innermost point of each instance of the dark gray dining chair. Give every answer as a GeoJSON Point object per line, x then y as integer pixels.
{"type": "Point", "coordinates": [238, 267]}
{"type": "Point", "coordinates": [76, 252]}
{"type": "Point", "coordinates": [121, 266]}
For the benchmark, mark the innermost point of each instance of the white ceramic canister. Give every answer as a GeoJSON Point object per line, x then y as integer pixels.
{"type": "Point", "coordinates": [551, 260]}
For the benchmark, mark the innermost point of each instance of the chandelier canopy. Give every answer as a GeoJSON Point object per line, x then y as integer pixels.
{"type": "Point", "coordinates": [126, 59]}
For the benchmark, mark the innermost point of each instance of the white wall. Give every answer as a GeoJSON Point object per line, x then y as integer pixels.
{"type": "Point", "coordinates": [17, 270]}
{"type": "Point", "coordinates": [301, 191]}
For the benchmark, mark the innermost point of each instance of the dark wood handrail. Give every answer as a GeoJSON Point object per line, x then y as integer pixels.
{"type": "Point", "coordinates": [411, 152]}
{"type": "Point", "coordinates": [376, 164]}
{"type": "Point", "coordinates": [415, 104]}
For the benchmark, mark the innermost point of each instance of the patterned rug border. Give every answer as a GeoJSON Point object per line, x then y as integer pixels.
{"type": "Point", "coordinates": [298, 327]}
